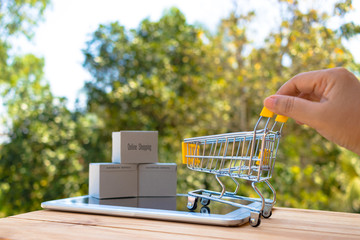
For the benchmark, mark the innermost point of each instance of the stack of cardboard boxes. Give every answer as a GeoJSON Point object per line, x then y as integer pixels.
{"type": "Point", "coordinates": [134, 170]}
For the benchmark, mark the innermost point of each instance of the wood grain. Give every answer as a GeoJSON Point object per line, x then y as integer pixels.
{"type": "Point", "coordinates": [285, 223]}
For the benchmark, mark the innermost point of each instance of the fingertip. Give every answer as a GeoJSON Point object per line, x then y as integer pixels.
{"type": "Point", "coordinates": [270, 102]}
{"type": "Point", "coordinates": [300, 123]}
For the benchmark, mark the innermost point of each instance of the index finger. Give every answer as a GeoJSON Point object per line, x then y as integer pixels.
{"type": "Point", "coordinates": [304, 83]}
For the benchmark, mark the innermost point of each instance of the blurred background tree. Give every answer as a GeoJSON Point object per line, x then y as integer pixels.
{"type": "Point", "coordinates": [184, 81]}
{"type": "Point", "coordinates": [44, 142]}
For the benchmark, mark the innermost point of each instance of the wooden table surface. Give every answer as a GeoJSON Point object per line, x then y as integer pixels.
{"type": "Point", "coordinates": [285, 223]}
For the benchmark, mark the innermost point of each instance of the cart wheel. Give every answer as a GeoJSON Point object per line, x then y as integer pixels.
{"type": "Point", "coordinates": [192, 203]}
{"type": "Point", "coordinates": [267, 214]}
{"type": "Point", "coordinates": [254, 223]}
{"type": "Point", "coordinates": [205, 210]}
{"type": "Point", "coordinates": [192, 207]}
{"type": "Point", "coordinates": [205, 201]}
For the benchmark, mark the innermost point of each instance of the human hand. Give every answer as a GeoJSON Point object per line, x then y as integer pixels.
{"type": "Point", "coordinates": [326, 100]}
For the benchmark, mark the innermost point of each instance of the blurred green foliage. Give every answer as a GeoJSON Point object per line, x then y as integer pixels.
{"type": "Point", "coordinates": [183, 81]}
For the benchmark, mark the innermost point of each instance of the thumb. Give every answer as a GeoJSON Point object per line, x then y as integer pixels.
{"type": "Point", "coordinates": [301, 110]}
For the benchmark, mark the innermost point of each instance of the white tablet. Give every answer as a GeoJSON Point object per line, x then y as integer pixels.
{"type": "Point", "coordinates": [160, 208]}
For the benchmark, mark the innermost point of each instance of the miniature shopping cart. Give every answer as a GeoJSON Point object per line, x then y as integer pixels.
{"type": "Point", "coordinates": [241, 155]}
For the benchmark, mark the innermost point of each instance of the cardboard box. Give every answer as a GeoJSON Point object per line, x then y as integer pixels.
{"type": "Point", "coordinates": [157, 179]}
{"type": "Point", "coordinates": [135, 147]}
{"type": "Point", "coordinates": [111, 180]}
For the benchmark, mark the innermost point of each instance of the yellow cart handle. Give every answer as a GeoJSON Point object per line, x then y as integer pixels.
{"type": "Point", "coordinates": [281, 118]}
{"type": "Point", "coordinates": [192, 150]}
{"type": "Point", "coordinates": [184, 159]}
{"type": "Point", "coordinates": [267, 113]}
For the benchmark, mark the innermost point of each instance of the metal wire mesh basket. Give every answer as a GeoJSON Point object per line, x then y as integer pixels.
{"type": "Point", "coordinates": [241, 155]}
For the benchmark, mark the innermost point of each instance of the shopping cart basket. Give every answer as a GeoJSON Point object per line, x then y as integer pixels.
{"type": "Point", "coordinates": [240, 155]}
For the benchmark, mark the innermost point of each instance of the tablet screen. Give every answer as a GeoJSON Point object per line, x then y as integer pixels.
{"type": "Point", "coordinates": [178, 203]}
{"type": "Point", "coordinates": [161, 208]}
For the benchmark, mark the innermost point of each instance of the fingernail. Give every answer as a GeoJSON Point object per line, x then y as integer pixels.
{"type": "Point", "coordinates": [270, 102]}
